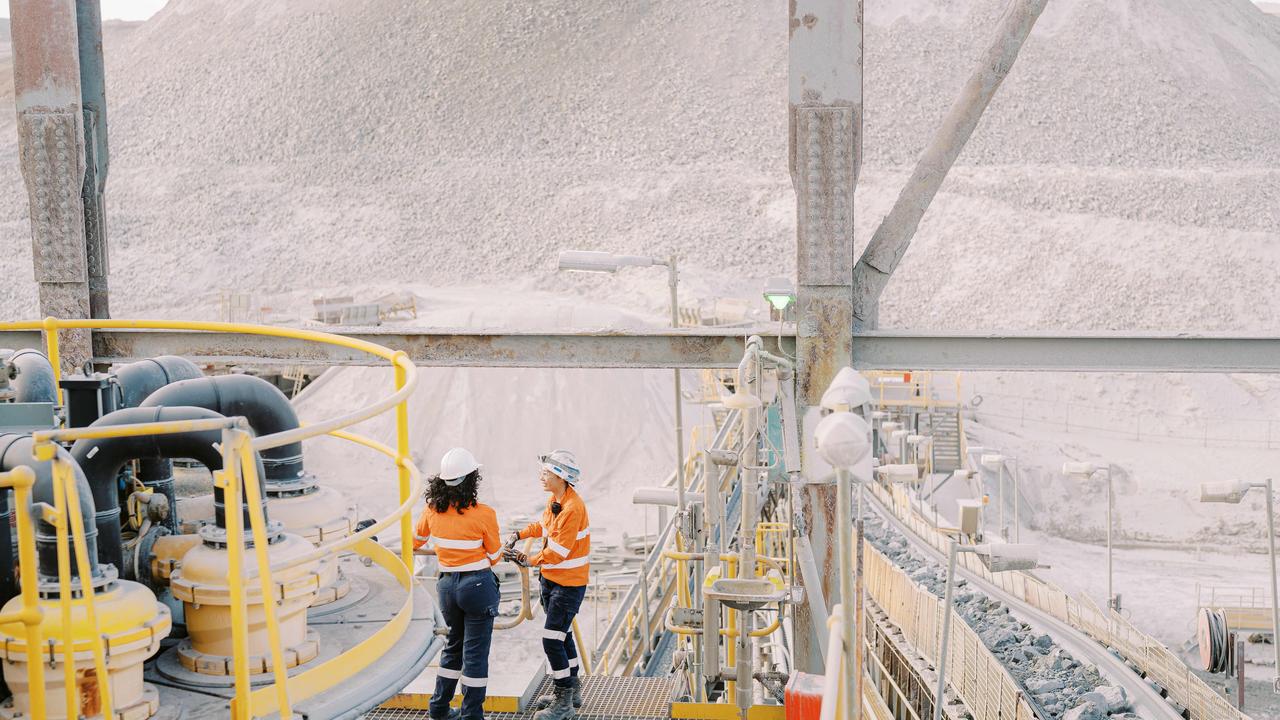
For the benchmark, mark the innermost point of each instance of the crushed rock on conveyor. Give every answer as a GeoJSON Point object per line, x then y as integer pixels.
{"type": "Point", "coordinates": [1063, 686]}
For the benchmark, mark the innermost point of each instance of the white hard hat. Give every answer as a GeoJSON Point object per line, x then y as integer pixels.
{"type": "Point", "coordinates": [456, 465]}
{"type": "Point", "coordinates": [563, 464]}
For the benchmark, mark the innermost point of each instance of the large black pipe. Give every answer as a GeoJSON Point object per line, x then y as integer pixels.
{"type": "Point", "coordinates": [140, 379]}
{"type": "Point", "coordinates": [259, 402]}
{"type": "Point", "coordinates": [36, 381]}
{"type": "Point", "coordinates": [135, 382]}
{"type": "Point", "coordinates": [15, 450]}
{"type": "Point", "coordinates": [102, 460]}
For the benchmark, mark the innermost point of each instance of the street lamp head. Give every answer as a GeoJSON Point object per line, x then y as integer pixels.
{"type": "Point", "coordinates": [779, 292]}
{"type": "Point", "coordinates": [1230, 491]}
{"type": "Point", "coordinates": [597, 261]}
{"type": "Point", "coordinates": [844, 439]}
{"type": "Point", "coordinates": [1002, 557]}
{"type": "Point", "coordinates": [847, 391]}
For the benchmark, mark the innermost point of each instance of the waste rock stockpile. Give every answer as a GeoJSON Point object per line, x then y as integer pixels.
{"type": "Point", "coordinates": [1062, 685]}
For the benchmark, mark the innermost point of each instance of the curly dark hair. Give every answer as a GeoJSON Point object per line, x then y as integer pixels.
{"type": "Point", "coordinates": [441, 497]}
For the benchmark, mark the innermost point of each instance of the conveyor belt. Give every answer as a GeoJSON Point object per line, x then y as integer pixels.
{"type": "Point", "coordinates": [1146, 700]}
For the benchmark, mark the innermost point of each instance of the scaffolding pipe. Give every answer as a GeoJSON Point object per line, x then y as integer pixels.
{"type": "Point", "coordinates": [893, 237]}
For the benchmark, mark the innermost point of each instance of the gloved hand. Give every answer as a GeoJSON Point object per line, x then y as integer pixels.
{"type": "Point", "coordinates": [516, 557]}
{"type": "Point", "coordinates": [515, 538]}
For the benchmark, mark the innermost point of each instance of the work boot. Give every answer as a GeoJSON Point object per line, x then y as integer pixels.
{"type": "Point", "coordinates": [561, 707]}
{"type": "Point", "coordinates": [575, 684]}
{"type": "Point", "coordinates": [454, 714]}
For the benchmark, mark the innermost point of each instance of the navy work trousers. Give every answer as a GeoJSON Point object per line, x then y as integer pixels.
{"type": "Point", "coordinates": [469, 603]}
{"type": "Point", "coordinates": [560, 604]}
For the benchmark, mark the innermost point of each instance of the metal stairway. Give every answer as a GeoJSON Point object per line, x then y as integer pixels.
{"type": "Point", "coordinates": [944, 425]}
{"type": "Point", "coordinates": [606, 697]}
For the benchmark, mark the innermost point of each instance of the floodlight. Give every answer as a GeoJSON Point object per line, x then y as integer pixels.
{"type": "Point", "coordinates": [844, 439]}
{"type": "Point", "coordinates": [1002, 557]}
{"type": "Point", "coordinates": [1231, 491]}
{"type": "Point", "coordinates": [848, 390]}
{"type": "Point", "coordinates": [780, 293]}
{"type": "Point", "coordinates": [606, 262]}
{"type": "Point", "coordinates": [992, 461]}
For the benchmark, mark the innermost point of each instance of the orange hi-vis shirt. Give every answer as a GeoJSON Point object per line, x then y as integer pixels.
{"type": "Point", "coordinates": [563, 558]}
{"type": "Point", "coordinates": [463, 541]}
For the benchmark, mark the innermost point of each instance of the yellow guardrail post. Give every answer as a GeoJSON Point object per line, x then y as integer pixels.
{"type": "Point", "coordinates": [21, 479]}
{"type": "Point", "coordinates": [230, 483]}
{"type": "Point", "coordinates": [65, 476]}
{"type": "Point", "coordinates": [59, 520]}
{"type": "Point", "coordinates": [50, 327]}
{"type": "Point", "coordinates": [258, 524]}
{"type": "Point", "coordinates": [402, 455]}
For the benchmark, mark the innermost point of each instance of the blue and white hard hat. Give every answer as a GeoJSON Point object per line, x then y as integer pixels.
{"type": "Point", "coordinates": [563, 464]}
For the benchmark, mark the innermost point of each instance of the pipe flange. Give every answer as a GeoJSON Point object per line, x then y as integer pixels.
{"type": "Point", "coordinates": [333, 591]}
{"type": "Point", "coordinates": [215, 536]}
{"type": "Point", "coordinates": [302, 485]}
{"type": "Point", "coordinates": [198, 662]}
{"type": "Point", "coordinates": [48, 587]}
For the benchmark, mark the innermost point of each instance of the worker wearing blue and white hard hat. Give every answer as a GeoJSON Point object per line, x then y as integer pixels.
{"type": "Point", "coordinates": [564, 568]}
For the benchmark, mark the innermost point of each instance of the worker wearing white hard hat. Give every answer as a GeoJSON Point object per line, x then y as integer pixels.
{"type": "Point", "coordinates": [465, 537]}
{"type": "Point", "coordinates": [564, 568]}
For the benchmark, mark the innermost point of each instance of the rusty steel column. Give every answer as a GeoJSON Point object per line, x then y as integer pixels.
{"type": "Point", "coordinates": [825, 120]}
{"type": "Point", "coordinates": [893, 237]}
{"type": "Point", "coordinates": [93, 100]}
{"type": "Point", "coordinates": [46, 73]}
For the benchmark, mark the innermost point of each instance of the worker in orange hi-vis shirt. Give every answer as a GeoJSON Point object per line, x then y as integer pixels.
{"type": "Point", "coordinates": [566, 533]}
{"type": "Point", "coordinates": [465, 537]}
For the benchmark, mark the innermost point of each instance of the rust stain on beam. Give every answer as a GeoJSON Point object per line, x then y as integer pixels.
{"type": "Point", "coordinates": [443, 348]}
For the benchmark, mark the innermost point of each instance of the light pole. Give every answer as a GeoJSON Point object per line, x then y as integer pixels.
{"type": "Point", "coordinates": [844, 440]}
{"type": "Point", "coordinates": [1084, 471]}
{"type": "Point", "coordinates": [997, 558]}
{"type": "Point", "coordinates": [1233, 492]}
{"type": "Point", "coordinates": [915, 441]}
{"type": "Point", "coordinates": [992, 461]}
{"type": "Point", "coordinates": [606, 262]}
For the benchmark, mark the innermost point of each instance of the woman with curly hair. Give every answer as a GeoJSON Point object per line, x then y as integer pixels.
{"type": "Point", "coordinates": [464, 535]}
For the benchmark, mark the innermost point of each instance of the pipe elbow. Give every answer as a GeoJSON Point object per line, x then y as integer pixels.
{"type": "Point", "coordinates": [36, 381]}
{"type": "Point", "coordinates": [262, 404]}
{"type": "Point", "coordinates": [140, 379]}
{"type": "Point", "coordinates": [17, 451]}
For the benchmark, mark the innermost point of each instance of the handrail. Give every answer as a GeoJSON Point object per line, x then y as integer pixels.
{"type": "Point", "coordinates": [612, 633]}
{"type": "Point", "coordinates": [833, 699]}
{"type": "Point", "coordinates": [239, 470]}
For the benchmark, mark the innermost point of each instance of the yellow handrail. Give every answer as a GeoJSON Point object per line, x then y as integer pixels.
{"type": "Point", "coordinates": [239, 468]}
{"type": "Point", "coordinates": [21, 479]}
{"type": "Point", "coordinates": [72, 513]}
{"type": "Point", "coordinates": [258, 524]}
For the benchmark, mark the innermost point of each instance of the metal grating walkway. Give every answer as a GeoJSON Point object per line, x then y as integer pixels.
{"type": "Point", "coordinates": [604, 698]}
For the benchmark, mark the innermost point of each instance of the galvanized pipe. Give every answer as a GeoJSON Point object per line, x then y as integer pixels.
{"type": "Point", "coordinates": [673, 278]}
{"type": "Point", "coordinates": [848, 565]}
{"type": "Point", "coordinates": [711, 608]}
{"type": "Point", "coordinates": [893, 237]}
{"type": "Point", "coordinates": [1275, 602]}
{"type": "Point", "coordinates": [946, 631]}
{"type": "Point", "coordinates": [93, 96]}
